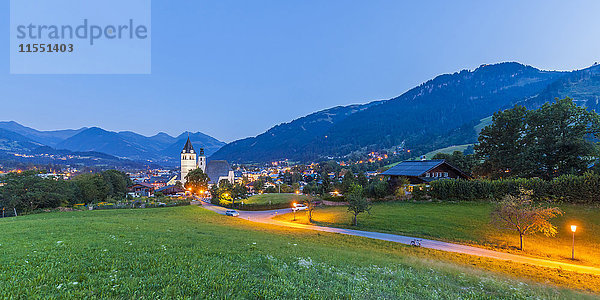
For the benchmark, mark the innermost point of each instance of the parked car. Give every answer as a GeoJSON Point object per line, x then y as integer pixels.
{"type": "Point", "coordinates": [232, 213]}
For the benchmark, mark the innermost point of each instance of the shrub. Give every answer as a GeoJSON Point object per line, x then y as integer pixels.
{"type": "Point", "coordinates": [584, 189]}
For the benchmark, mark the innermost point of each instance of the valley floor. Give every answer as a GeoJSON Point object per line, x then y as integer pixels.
{"type": "Point", "coordinates": [190, 252]}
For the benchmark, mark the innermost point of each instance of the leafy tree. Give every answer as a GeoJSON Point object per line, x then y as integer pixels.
{"type": "Point", "coordinates": [117, 182]}
{"type": "Point", "coordinates": [458, 159]}
{"type": "Point", "coordinates": [347, 182]}
{"type": "Point", "coordinates": [501, 145]}
{"type": "Point", "coordinates": [379, 189]}
{"type": "Point", "coordinates": [556, 139]}
{"type": "Point", "coordinates": [362, 179]}
{"type": "Point", "coordinates": [520, 214]}
{"type": "Point", "coordinates": [559, 138]}
{"type": "Point", "coordinates": [357, 203]}
{"type": "Point", "coordinates": [239, 191]}
{"type": "Point", "coordinates": [259, 185]}
{"type": "Point", "coordinates": [28, 192]}
{"type": "Point", "coordinates": [93, 187]}
{"type": "Point", "coordinates": [325, 183]}
{"type": "Point", "coordinates": [197, 180]}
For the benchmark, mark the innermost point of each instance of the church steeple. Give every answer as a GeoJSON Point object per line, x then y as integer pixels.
{"type": "Point", "coordinates": [188, 148]}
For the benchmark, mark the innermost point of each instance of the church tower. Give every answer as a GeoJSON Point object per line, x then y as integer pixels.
{"type": "Point", "coordinates": [188, 159]}
{"type": "Point", "coordinates": [202, 160]}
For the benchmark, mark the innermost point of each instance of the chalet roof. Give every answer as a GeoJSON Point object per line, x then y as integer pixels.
{"type": "Point", "coordinates": [188, 148]}
{"type": "Point", "coordinates": [172, 188]}
{"type": "Point", "coordinates": [414, 168]}
{"type": "Point", "coordinates": [216, 169]}
{"type": "Point", "coordinates": [143, 184]}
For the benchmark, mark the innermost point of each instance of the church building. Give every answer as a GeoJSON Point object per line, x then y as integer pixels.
{"type": "Point", "coordinates": [216, 170]}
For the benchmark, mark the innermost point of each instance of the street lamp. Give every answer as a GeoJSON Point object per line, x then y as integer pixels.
{"type": "Point", "coordinates": [294, 210]}
{"type": "Point", "coordinates": [573, 229]}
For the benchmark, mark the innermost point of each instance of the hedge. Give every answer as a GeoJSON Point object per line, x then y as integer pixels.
{"type": "Point", "coordinates": [584, 189]}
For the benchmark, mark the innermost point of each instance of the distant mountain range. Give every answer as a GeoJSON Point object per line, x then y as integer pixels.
{"type": "Point", "coordinates": [161, 149]}
{"type": "Point", "coordinates": [436, 114]}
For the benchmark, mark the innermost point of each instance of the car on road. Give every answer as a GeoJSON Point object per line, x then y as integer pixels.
{"type": "Point", "coordinates": [232, 213]}
{"type": "Point", "coordinates": [299, 207]}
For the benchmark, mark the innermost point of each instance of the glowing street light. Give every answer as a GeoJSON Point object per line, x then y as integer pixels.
{"type": "Point", "coordinates": [573, 229]}
{"type": "Point", "coordinates": [294, 210]}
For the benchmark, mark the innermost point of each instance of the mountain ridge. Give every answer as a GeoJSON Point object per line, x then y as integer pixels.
{"type": "Point", "coordinates": [160, 148]}
{"type": "Point", "coordinates": [435, 114]}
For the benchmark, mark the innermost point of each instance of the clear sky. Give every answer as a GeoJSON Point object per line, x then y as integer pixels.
{"type": "Point", "coordinates": [233, 69]}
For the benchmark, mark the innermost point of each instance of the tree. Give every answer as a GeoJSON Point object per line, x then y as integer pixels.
{"type": "Point", "coordinates": [310, 203]}
{"type": "Point", "coordinates": [347, 181]}
{"type": "Point", "coordinates": [117, 182]}
{"type": "Point", "coordinates": [362, 179]}
{"type": "Point", "coordinates": [458, 159]}
{"type": "Point", "coordinates": [560, 137]}
{"type": "Point", "coordinates": [520, 214]}
{"type": "Point", "coordinates": [357, 203]}
{"type": "Point", "coordinates": [556, 139]}
{"type": "Point", "coordinates": [93, 187]}
{"type": "Point", "coordinates": [197, 180]}
{"type": "Point", "coordinates": [239, 191]}
{"type": "Point", "coordinates": [28, 192]}
{"type": "Point", "coordinates": [501, 144]}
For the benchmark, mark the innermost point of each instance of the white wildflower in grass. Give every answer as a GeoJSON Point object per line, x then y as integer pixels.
{"type": "Point", "coordinates": [74, 283]}
{"type": "Point", "coordinates": [164, 247]}
{"type": "Point", "coordinates": [295, 244]}
{"type": "Point", "coordinates": [307, 263]}
{"type": "Point", "coordinates": [59, 242]}
{"type": "Point", "coordinates": [254, 243]}
{"type": "Point", "coordinates": [59, 286]}
{"type": "Point", "coordinates": [104, 250]}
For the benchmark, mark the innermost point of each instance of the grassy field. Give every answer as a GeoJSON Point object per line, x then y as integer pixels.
{"type": "Point", "coordinates": [447, 150]}
{"type": "Point", "coordinates": [468, 223]}
{"type": "Point", "coordinates": [187, 252]}
{"type": "Point", "coordinates": [267, 201]}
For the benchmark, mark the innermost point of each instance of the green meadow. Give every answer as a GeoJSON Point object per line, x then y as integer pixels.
{"type": "Point", "coordinates": [188, 252]}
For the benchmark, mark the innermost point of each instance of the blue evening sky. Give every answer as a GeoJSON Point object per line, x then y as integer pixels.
{"type": "Point", "coordinates": [233, 69]}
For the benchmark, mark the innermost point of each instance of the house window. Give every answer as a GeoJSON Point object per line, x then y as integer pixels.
{"type": "Point", "coordinates": [445, 174]}
{"type": "Point", "coordinates": [427, 174]}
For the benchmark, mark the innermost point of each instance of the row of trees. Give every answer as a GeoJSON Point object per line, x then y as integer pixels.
{"type": "Point", "coordinates": [556, 139]}
{"type": "Point", "coordinates": [28, 192]}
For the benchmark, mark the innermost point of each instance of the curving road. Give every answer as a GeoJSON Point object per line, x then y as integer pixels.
{"type": "Point", "coordinates": [267, 217]}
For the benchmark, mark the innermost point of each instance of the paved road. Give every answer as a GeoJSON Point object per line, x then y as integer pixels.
{"type": "Point", "coordinates": [267, 217]}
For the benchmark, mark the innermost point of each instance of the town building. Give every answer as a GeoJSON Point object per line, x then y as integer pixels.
{"type": "Point", "coordinates": [424, 171]}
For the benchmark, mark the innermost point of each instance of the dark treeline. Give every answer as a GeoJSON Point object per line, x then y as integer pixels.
{"type": "Point", "coordinates": [28, 191]}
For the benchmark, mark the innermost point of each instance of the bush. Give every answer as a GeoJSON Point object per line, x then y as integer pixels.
{"type": "Point", "coordinates": [584, 189]}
